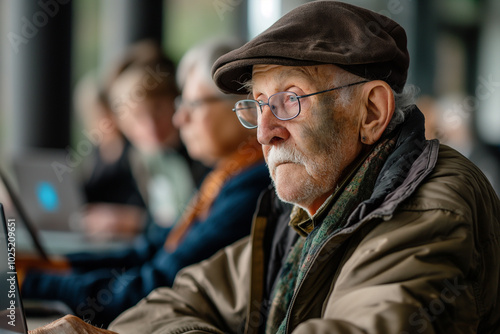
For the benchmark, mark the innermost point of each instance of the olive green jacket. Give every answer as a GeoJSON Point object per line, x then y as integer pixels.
{"type": "Point", "coordinates": [426, 260]}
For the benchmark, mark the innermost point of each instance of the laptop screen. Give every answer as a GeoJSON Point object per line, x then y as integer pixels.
{"type": "Point", "coordinates": [18, 206]}
{"type": "Point", "coordinates": [12, 318]}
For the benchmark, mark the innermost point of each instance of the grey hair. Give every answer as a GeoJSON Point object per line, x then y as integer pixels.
{"type": "Point", "coordinates": [403, 105]}
{"type": "Point", "coordinates": [201, 57]}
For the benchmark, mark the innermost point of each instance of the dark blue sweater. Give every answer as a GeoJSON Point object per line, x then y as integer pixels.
{"type": "Point", "coordinates": [101, 286]}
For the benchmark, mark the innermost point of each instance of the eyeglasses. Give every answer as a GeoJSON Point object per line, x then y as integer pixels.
{"type": "Point", "coordinates": [284, 106]}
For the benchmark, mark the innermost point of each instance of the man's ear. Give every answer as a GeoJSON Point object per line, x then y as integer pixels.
{"type": "Point", "coordinates": [378, 102]}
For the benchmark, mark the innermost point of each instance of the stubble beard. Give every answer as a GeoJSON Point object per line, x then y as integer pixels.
{"type": "Point", "coordinates": [322, 175]}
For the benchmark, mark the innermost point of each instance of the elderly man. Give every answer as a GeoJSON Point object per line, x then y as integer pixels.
{"type": "Point", "coordinates": [370, 229]}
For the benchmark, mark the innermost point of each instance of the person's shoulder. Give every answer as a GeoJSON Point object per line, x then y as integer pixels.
{"type": "Point", "coordinates": [455, 185]}
{"type": "Point", "coordinates": [250, 181]}
{"type": "Point", "coordinates": [256, 172]}
{"type": "Point", "coordinates": [461, 174]}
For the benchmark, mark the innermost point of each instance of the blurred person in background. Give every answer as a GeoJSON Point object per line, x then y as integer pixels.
{"type": "Point", "coordinates": [108, 179]}
{"type": "Point", "coordinates": [98, 287]}
{"type": "Point", "coordinates": [140, 91]}
{"type": "Point", "coordinates": [137, 99]}
{"type": "Point", "coordinates": [447, 119]}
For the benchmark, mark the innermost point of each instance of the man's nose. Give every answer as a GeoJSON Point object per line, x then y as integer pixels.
{"type": "Point", "coordinates": [180, 117]}
{"type": "Point", "coordinates": [270, 129]}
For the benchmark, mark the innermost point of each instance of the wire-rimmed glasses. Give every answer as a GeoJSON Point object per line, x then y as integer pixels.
{"type": "Point", "coordinates": [284, 106]}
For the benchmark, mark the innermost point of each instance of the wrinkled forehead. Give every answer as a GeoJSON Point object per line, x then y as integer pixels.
{"type": "Point", "coordinates": [316, 75]}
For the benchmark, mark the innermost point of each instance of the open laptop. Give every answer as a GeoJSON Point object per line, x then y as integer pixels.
{"type": "Point", "coordinates": [47, 186]}
{"type": "Point", "coordinates": [31, 229]}
{"type": "Point", "coordinates": [12, 317]}
{"type": "Point", "coordinates": [15, 313]}
{"type": "Point", "coordinates": [48, 242]}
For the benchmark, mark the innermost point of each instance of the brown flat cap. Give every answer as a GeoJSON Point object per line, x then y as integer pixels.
{"type": "Point", "coordinates": [358, 40]}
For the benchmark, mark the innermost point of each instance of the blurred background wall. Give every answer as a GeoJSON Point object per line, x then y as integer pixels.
{"type": "Point", "coordinates": [47, 46]}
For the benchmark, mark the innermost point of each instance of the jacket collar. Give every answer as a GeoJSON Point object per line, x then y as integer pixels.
{"type": "Point", "coordinates": [413, 158]}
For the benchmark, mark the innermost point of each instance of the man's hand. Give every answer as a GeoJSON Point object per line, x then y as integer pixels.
{"type": "Point", "coordinates": [70, 325]}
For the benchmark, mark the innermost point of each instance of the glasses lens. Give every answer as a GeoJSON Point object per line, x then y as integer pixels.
{"type": "Point", "coordinates": [178, 102]}
{"type": "Point", "coordinates": [247, 112]}
{"type": "Point", "coordinates": [284, 105]}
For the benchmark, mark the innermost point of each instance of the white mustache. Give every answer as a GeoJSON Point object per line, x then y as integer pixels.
{"type": "Point", "coordinates": [279, 155]}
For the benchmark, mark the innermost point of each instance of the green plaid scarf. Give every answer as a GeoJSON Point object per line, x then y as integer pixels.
{"type": "Point", "coordinates": [298, 261]}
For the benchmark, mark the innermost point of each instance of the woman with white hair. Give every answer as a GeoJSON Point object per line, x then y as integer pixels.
{"type": "Point", "coordinates": [101, 286]}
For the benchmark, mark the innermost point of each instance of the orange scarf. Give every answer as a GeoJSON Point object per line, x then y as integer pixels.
{"type": "Point", "coordinates": [248, 153]}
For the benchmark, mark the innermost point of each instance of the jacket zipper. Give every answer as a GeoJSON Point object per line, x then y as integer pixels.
{"type": "Point", "coordinates": [294, 297]}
